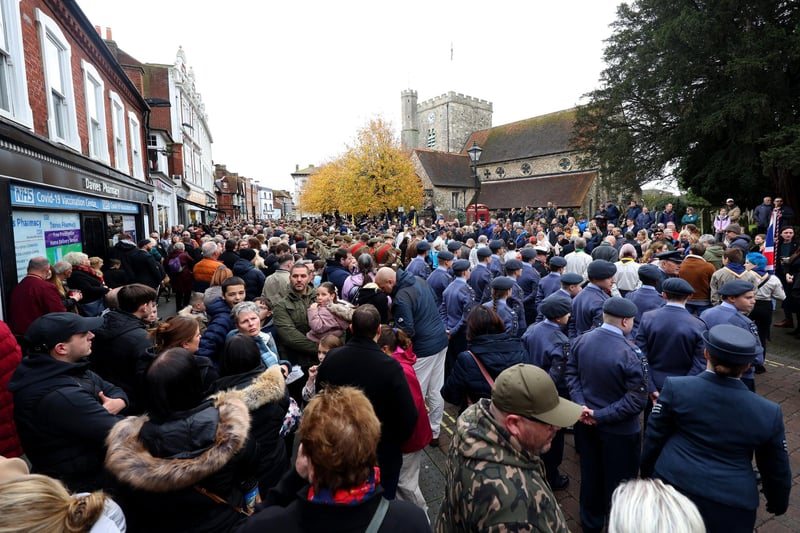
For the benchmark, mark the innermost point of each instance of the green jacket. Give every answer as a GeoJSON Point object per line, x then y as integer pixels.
{"type": "Point", "coordinates": [290, 318]}
{"type": "Point", "coordinates": [492, 483]}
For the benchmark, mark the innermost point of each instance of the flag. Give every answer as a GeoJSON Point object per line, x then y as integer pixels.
{"type": "Point", "coordinates": [769, 242]}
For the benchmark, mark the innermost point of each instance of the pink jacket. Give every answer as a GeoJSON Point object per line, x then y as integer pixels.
{"type": "Point", "coordinates": [422, 431]}
{"type": "Point", "coordinates": [333, 319]}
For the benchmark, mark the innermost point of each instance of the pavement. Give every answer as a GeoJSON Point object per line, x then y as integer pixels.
{"type": "Point", "coordinates": [780, 384]}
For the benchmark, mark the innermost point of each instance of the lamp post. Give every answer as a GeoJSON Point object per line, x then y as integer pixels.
{"type": "Point", "coordinates": [474, 152]}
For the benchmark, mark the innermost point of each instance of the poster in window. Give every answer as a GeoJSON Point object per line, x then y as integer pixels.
{"type": "Point", "coordinates": [52, 235]}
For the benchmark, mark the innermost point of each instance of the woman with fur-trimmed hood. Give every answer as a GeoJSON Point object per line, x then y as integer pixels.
{"type": "Point", "coordinates": [189, 465]}
{"type": "Point", "coordinates": [264, 392]}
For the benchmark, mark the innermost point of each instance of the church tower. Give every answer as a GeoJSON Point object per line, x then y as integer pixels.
{"type": "Point", "coordinates": [448, 120]}
{"type": "Point", "coordinates": [409, 137]}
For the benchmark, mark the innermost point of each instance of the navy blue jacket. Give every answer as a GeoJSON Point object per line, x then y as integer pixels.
{"type": "Point", "coordinates": [419, 267]}
{"type": "Point", "coordinates": [438, 281]}
{"type": "Point", "coordinates": [672, 340]}
{"type": "Point", "coordinates": [253, 278]}
{"type": "Point", "coordinates": [497, 352]}
{"type": "Point", "coordinates": [646, 298]}
{"type": "Point", "coordinates": [726, 313]}
{"type": "Point", "coordinates": [701, 437]}
{"type": "Point", "coordinates": [548, 348]}
{"type": "Point", "coordinates": [336, 274]}
{"type": "Point", "coordinates": [219, 324]}
{"type": "Point", "coordinates": [457, 302]}
{"type": "Point", "coordinates": [414, 310]}
{"type": "Point", "coordinates": [608, 374]}
{"type": "Point", "coordinates": [480, 278]}
{"type": "Point", "coordinates": [587, 308]}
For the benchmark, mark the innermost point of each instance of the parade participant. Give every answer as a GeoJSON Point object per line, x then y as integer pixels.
{"type": "Point", "coordinates": [528, 281]}
{"type": "Point", "coordinates": [552, 281]}
{"type": "Point", "coordinates": [439, 279]}
{"type": "Point", "coordinates": [458, 300]}
{"type": "Point", "coordinates": [645, 297]}
{"type": "Point", "coordinates": [418, 266]}
{"type": "Point", "coordinates": [733, 259]}
{"type": "Point", "coordinates": [588, 304]}
{"type": "Point", "coordinates": [769, 288]}
{"type": "Point", "coordinates": [481, 277]}
{"type": "Point", "coordinates": [608, 376]}
{"type": "Point", "coordinates": [707, 453]}
{"type": "Point", "coordinates": [496, 264]}
{"type": "Point", "coordinates": [509, 309]}
{"type": "Point", "coordinates": [494, 473]}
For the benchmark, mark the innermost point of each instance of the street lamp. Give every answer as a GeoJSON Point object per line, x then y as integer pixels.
{"type": "Point", "coordinates": [474, 152]}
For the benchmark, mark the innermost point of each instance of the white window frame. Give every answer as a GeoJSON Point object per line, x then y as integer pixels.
{"type": "Point", "coordinates": [12, 63]}
{"type": "Point", "coordinates": [95, 99]}
{"type": "Point", "coordinates": [136, 145]}
{"type": "Point", "coordinates": [120, 141]}
{"type": "Point", "coordinates": [49, 31]}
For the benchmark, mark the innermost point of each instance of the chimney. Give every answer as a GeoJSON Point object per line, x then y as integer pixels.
{"type": "Point", "coordinates": [108, 35]}
{"type": "Point", "coordinates": [296, 167]}
{"type": "Point", "coordinates": [98, 30]}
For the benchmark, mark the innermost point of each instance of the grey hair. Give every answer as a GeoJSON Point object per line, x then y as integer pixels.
{"type": "Point", "coordinates": [179, 246]}
{"type": "Point", "coordinates": [209, 248]}
{"type": "Point", "coordinates": [243, 307]}
{"type": "Point", "coordinates": [75, 258]}
{"type": "Point", "coordinates": [62, 266]}
{"type": "Point", "coordinates": [652, 506]}
{"type": "Point", "coordinates": [707, 239]}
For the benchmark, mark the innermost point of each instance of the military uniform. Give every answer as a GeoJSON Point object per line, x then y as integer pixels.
{"type": "Point", "coordinates": [726, 313]}
{"type": "Point", "coordinates": [419, 267]}
{"type": "Point", "coordinates": [458, 300]}
{"type": "Point", "coordinates": [547, 286]}
{"type": "Point", "coordinates": [515, 324]}
{"type": "Point", "coordinates": [528, 281]}
{"type": "Point", "coordinates": [492, 483]}
{"type": "Point", "coordinates": [646, 299]}
{"type": "Point", "coordinates": [438, 281]}
{"type": "Point", "coordinates": [480, 278]}
{"type": "Point", "coordinates": [587, 308]}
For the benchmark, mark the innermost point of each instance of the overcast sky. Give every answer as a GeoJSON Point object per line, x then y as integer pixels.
{"type": "Point", "coordinates": [290, 83]}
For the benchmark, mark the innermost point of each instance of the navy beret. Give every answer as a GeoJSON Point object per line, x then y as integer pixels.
{"type": "Point", "coordinates": [731, 344]}
{"type": "Point", "coordinates": [571, 278]}
{"type": "Point", "coordinates": [736, 287]}
{"type": "Point", "coordinates": [502, 283]}
{"type": "Point", "coordinates": [496, 244]}
{"type": "Point", "coordinates": [676, 256]}
{"type": "Point", "coordinates": [677, 286]}
{"type": "Point", "coordinates": [460, 265]}
{"type": "Point", "coordinates": [557, 262]}
{"type": "Point", "coordinates": [453, 246]}
{"type": "Point", "coordinates": [444, 255]}
{"type": "Point", "coordinates": [484, 252]}
{"type": "Point", "coordinates": [513, 264]}
{"type": "Point", "coordinates": [528, 253]}
{"type": "Point", "coordinates": [555, 306]}
{"type": "Point", "coordinates": [423, 246]}
{"type": "Point", "coordinates": [601, 269]}
{"type": "Point", "coordinates": [649, 273]}
{"type": "Point", "coordinates": [620, 307]}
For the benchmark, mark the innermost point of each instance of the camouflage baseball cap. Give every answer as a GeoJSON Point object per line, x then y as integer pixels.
{"type": "Point", "coordinates": [527, 390]}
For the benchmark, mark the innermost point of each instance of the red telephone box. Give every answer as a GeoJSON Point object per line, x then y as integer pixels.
{"type": "Point", "coordinates": [477, 212]}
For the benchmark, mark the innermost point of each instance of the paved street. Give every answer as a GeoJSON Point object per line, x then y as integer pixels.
{"type": "Point", "coordinates": [779, 384]}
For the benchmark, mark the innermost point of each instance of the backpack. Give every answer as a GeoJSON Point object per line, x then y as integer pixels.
{"type": "Point", "coordinates": [175, 265]}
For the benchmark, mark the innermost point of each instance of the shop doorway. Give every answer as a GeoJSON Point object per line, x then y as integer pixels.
{"type": "Point", "coordinates": [94, 235]}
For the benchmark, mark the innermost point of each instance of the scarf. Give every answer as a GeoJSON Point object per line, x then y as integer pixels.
{"type": "Point", "coordinates": [350, 496]}
{"type": "Point", "coordinates": [735, 267]}
{"type": "Point", "coordinates": [89, 270]}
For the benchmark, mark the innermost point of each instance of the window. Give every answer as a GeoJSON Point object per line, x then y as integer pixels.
{"type": "Point", "coordinates": [136, 146]}
{"type": "Point", "coordinates": [62, 123]}
{"type": "Point", "coordinates": [152, 141]}
{"type": "Point", "coordinates": [431, 138]}
{"type": "Point", "coordinates": [453, 200]}
{"type": "Point", "coordinates": [13, 81]}
{"type": "Point", "coordinates": [118, 133]}
{"type": "Point", "coordinates": [95, 113]}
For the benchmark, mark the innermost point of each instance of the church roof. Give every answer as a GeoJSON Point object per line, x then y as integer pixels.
{"type": "Point", "coordinates": [445, 169]}
{"type": "Point", "coordinates": [567, 190]}
{"type": "Point", "coordinates": [533, 137]}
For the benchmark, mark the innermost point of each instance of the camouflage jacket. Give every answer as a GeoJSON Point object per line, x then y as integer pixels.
{"type": "Point", "coordinates": [493, 485]}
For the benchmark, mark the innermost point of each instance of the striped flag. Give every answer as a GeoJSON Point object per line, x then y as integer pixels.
{"type": "Point", "coordinates": [769, 243]}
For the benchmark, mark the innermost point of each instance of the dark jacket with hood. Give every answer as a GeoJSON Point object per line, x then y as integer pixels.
{"type": "Point", "coordinates": [123, 251]}
{"type": "Point", "coordinates": [119, 354]}
{"type": "Point", "coordinates": [253, 278]}
{"type": "Point", "coordinates": [264, 392]}
{"type": "Point", "coordinates": [742, 242]}
{"type": "Point", "coordinates": [168, 469]}
{"type": "Point", "coordinates": [497, 352]}
{"type": "Point", "coordinates": [60, 420]}
{"type": "Point", "coordinates": [219, 324]}
{"type": "Point", "coordinates": [335, 273]}
{"type": "Point", "coordinates": [415, 312]}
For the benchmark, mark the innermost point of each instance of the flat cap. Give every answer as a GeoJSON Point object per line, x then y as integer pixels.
{"type": "Point", "coordinates": [731, 344]}
{"type": "Point", "coordinates": [555, 306]}
{"type": "Point", "coordinates": [677, 286]}
{"type": "Point", "coordinates": [736, 287]}
{"type": "Point", "coordinates": [571, 278]}
{"type": "Point", "coordinates": [460, 265]}
{"type": "Point", "coordinates": [601, 269]}
{"type": "Point", "coordinates": [620, 307]}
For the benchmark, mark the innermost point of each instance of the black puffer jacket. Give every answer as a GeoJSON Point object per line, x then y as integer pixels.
{"type": "Point", "coordinates": [164, 467]}
{"type": "Point", "coordinates": [60, 420]}
{"type": "Point", "coordinates": [265, 394]}
{"type": "Point", "coordinates": [253, 278]}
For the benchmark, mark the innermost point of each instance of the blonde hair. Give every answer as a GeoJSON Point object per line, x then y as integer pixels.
{"type": "Point", "coordinates": [37, 503]}
{"type": "Point", "coordinates": [652, 506]}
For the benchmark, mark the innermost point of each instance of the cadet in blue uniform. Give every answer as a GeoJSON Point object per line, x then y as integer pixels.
{"type": "Point", "coordinates": [502, 304]}
{"type": "Point", "coordinates": [496, 264]}
{"type": "Point", "coordinates": [454, 247]}
{"type": "Point", "coordinates": [587, 307]}
{"type": "Point", "coordinates": [646, 297]}
{"type": "Point", "coordinates": [418, 266]}
{"type": "Point", "coordinates": [458, 300]}
{"type": "Point", "coordinates": [480, 276]}
{"type": "Point", "coordinates": [738, 297]}
{"type": "Point", "coordinates": [608, 376]}
{"type": "Point", "coordinates": [671, 338]}
{"type": "Point", "coordinates": [571, 285]}
{"type": "Point", "coordinates": [551, 282]}
{"type": "Point", "coordinates": [440, 278]}
{"type": "Point", "coordinates": [528, 281]}
{"type": "Point", "coordinates": [705, 429]}
{"type": "Point", "coordinates": [548, 348]}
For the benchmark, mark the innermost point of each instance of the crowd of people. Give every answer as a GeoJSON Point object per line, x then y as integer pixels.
{"type": "Point", "coordinates": [340, 343]}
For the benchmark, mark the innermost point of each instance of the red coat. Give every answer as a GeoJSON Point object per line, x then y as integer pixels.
{"type": "Point", "coordinates": [30, 299]}
{"type": "Point", "coordinates": [10, 356]}
{"type": "Point", "coordinates": [422, 431]}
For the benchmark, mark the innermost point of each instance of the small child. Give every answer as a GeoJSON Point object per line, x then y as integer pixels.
{"type": "Point", "coordinates": [265, 314]}
{"type": "Point", "coordinates": [328, 316]}
{"type": "Point", "coordinates": [326, 344]}
{"type": "Point", "coordinates": [396, 344]}
{"type": "Point", "coordinates": [197, 310]}
{"type": "Point", "coordinates": [319, 268]}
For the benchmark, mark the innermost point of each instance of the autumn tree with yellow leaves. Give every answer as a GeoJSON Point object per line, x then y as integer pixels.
{"type": "Point", "coordinates": [373, 176]}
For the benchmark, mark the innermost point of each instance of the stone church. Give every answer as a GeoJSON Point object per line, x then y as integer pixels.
{"type": "Point", "coordinates": [524, 163]}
